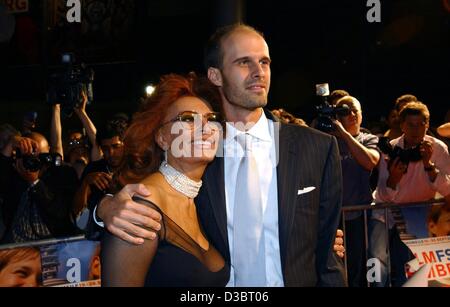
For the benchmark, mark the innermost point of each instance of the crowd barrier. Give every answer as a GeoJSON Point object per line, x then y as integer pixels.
{"type": "Point", "coordinates": [431, 252]}
{"type": "Point", "coordinates": [75, 261]}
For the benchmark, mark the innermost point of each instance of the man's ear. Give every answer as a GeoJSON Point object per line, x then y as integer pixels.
{"type": "Point", "coordinates": [215, 76]}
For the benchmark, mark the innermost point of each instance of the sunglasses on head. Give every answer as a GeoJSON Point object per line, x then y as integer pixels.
{"type": "Point", "coordinates": [190, 116]}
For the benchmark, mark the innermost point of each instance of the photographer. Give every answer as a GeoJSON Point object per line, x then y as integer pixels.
{"type": "Point", "coordinates": [403, 182]}
{"type": "Point", "coordinates": [416, 169]}
{"type": "Point", "coordinates": [7, 135]}
{"type": "Point", "coordinates": [359, 156]}
{"type": "Point", "coordinates": [36, 191]}
{"type": "Point", "coordinates": [76, 153]}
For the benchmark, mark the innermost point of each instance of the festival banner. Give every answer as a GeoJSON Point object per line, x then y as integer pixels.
{"type": "Point", "coordinates": [436, 253]}
{"type": "Point", "coordinates": [426, 232]}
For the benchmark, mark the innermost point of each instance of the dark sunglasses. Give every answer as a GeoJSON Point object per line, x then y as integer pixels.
{"type": "Point", "coordinates": [345, 110]}
{"type": "Point", "coordinates": [189, 117]}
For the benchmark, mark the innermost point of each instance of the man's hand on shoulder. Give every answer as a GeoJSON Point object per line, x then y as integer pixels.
{"type": "Point", "coordinates": [127, 219]}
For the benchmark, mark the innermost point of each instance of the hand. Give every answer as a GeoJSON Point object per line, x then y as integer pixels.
{"type": "Point", "coordinates": [100, 180]}
{"type": "Point", "coordinates": [82, 106]}
{"type": "Point", "coordinates": [125, 218]}
{"type": "Point", "coordinates": [426, 150]}
{"type": "Point", "coordinates": [338, 246]}
{"type": "Point", "coordinates": [25, 145]}
{"type": "Point", "coordinates": [339, 129]}
{"type": "Point", "coordinates": [396, 171]}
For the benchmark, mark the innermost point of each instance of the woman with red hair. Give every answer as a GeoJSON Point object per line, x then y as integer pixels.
{"type": "Point", "coordinates": [168, 145]}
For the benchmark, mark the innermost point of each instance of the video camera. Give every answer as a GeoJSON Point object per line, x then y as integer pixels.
{"type": "Point", "coordinates": [405, 155]}
{"type": "Point", "coordinates": [35, 162]}
{"type": "Point", "coordinates": [66, 87]}
{"type": "Point", "coordinates": [326, 111]}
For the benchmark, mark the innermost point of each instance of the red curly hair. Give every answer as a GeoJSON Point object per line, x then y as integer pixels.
{"type": "Point", "coordinates": [142, 155]}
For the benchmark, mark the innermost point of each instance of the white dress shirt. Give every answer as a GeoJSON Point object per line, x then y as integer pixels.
{"type": "Point", "coordinates": [264, 150]}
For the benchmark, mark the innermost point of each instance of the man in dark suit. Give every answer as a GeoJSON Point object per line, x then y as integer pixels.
{"type": "Point", "coordinates": [298, 195]}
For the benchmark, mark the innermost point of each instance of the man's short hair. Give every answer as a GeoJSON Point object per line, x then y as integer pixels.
{"type": "Point", "coordinates": [336, 95]}
{"type": "Point", "coordinates": [414, 108]}
{"type": "Point", "coordinates": [17, 254]}
{"type": "Point", "coordinates": [213, 53]}
{"type": "Point", "coordinates": [435, 212]}
{"type": "Point", "coordinates": [348, 99]}
{"type": "Point", "coordinates": [404, 99]}
{"type": "Point", "coordinates": [116, 126]}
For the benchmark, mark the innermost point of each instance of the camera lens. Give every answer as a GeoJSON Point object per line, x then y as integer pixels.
{"type": "Point", "coordinates": [31, 163]}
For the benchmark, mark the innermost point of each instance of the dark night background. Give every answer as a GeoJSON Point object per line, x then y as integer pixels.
{"type": "Point", "coordinates": [131, 43]}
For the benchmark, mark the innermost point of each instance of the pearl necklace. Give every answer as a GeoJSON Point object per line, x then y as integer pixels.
{"type": "Point", "coordinates": [180, 181]}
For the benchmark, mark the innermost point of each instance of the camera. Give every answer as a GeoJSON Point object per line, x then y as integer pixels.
{"type": "Point", "coordinates": [66, 87]}
{"type": "Point", "coordinates": [325, 111]}
{"type": "Point", "coordinates": [405, 155]}
{"type": "Point", "coordinates": [35, 162]}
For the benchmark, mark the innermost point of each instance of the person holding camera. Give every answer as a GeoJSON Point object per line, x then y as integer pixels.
{"type": "Point", "coordinates": [76, 153]}
{"type": "Point", "coordinates": [7, 134]}
{"type": "Point", "coordinates": [403, 180]}
{"type": "Point", "coordinates": [359, 156]}
{"type": "Point", "coordinates": [415, 169]}
{"type": "Point", "coordinates": [36, 191]}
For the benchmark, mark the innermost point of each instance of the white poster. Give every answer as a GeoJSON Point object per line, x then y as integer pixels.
{"type": "Point", "coordinates": [434, 252]}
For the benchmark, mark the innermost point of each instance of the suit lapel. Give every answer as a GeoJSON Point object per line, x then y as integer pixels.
{"type": "Point", "coordinates": [216, 193]}
{"type": "Point", "coordinates": [286, 180]}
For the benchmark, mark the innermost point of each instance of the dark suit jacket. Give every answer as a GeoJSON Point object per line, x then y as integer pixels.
{"type": "Point", "coordinates": [307, 222]}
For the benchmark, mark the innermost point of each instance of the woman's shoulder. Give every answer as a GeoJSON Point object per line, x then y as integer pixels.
{"type": "Point", "coordinates": [153, 183]}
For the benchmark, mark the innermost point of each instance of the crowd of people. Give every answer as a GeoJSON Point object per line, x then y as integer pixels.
{"type": "Point", "coordinates": [206, 187]}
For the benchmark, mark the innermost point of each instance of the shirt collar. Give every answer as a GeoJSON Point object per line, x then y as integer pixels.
{"type": "Point", "coordinates": [259, 131]}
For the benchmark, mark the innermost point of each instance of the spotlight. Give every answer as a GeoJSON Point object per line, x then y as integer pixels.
{"type": "Point", "coordinates": [149, 89]}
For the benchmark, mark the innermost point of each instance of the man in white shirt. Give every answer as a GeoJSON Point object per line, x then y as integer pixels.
{"type": "Point", "coordinates": [401, 182]}
{"type": "Point", "coordinates": [421, 177]}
